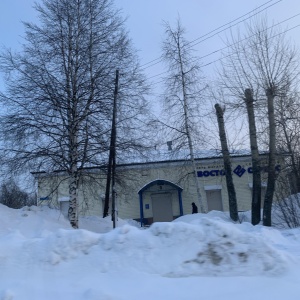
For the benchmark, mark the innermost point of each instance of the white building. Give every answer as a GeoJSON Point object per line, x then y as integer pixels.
{"type": "Point", "coordinates": [158, 190]}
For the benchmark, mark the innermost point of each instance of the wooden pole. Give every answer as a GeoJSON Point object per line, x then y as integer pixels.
{"type": "Point", "coordinates": [113, 142]}
{"type": "Point", "coordinates": [112, 158]}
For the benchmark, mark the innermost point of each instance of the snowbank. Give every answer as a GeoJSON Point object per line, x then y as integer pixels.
{"type": "Point", "coordinates": [194, 245]}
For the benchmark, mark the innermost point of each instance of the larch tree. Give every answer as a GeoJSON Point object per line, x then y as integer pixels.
{"type": "Point", "coordinates": [57, 106]}
{"type": "Point", "coordinates": [182, 95]}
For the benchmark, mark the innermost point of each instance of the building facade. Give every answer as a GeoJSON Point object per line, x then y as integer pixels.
{"type": "Point", "coordinates": [156, 191]}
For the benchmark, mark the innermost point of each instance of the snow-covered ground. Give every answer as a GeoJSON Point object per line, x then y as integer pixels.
{"type": "Point", "coordinates": [195, 257]}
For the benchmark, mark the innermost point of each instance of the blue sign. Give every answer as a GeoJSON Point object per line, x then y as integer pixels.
{"type": "Point", "coordinates": [211, 173]}
{"type": "Point", "coordinates": [239, 171]}
{"type": "Point", "coordinates": [265, 169]}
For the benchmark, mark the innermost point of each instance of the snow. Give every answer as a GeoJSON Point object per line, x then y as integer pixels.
{"type": "Point", "coordinates": [162, 155]}
{"type": "Point", "coordinates": [194, 257]}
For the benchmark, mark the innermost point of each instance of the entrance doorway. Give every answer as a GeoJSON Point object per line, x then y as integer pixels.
{"type": "Point", "coordinates": [214, 200]}
{"type": "Point", "coordinates": [162, 196]}
{"type": "Point", "coordinates": [162, 207]}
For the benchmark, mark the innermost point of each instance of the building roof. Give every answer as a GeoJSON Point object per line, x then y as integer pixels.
{"type": "Point", "coordinates": [154, 157]}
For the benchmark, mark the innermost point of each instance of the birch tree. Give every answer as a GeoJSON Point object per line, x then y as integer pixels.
{"type": "Point", "coordinates": [182, 95]}
{"type": "Point", "coordinates": [57, 106]}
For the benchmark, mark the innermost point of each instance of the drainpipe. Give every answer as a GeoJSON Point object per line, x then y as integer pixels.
{"type": "Point", "coordinates": [180, 202]}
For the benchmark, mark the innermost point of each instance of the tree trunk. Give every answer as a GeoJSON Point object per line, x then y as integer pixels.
{"type": "Point", "coordinates": [233, 209]}
{"type": "Point", "coordinates": [73, 186]}
{"type": "Point", "coordinates": [107, 188]}
{"type": "Point", "coordinates": [256, 175]}
{"type": "Point", "coordinates": [73, 207]}
{"type": "Point", "coordinates": [272, 157]}
{"type": "Point", "coordinates": [188, 133]}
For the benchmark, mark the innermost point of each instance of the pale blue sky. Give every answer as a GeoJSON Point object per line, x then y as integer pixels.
{"type": "Point", "coordinates": [145, 19]}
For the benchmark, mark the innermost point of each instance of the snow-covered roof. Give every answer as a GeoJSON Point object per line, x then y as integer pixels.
{"type": "Point", "coordinates": [161, 156]}
{"type": "Point", "coordinates": [158, 156]}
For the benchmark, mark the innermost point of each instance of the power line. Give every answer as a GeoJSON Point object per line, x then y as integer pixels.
{"type": "Point", "coordinates": [221, 49]}
{"type": "Point", "coordinates": [150, 63]}
{"type": "Point", "coordinates": [219, 59]}
{"type": "Point", "coordinates": [245, 19]}
{"type": "Point", "coordinates": [158, 74]}
{"type": "Point", "coordinates": [246, 38]}
{"type": "Point", "coordinates": [159, 59]}
{"type": "Point", "coordinates": [236, 52]}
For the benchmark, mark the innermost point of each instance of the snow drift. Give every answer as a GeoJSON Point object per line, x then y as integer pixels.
{"type": "Point", "coordinates": [204, 247]}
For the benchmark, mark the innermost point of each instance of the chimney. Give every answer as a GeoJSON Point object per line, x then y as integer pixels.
{"type": "Point", "coordinates": [169, 143]}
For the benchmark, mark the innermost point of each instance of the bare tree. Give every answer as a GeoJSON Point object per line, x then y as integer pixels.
{"type": "Point", "coordinates": [58, 103]}
{"type": "Point", "coordinates": [256, 175]}
{"type": "Point", "coordinates": [233, 209]}
{"type": "Point", "coordinates": [287, 117]}
{"type": "Point", "coordinates": [13, 196]}
{"type": "Point", "coordinates": [286, 212]}
{"type": "Point", "coordinates": [182, 96]}
{"type": "Point", "coordinates": [266, 63]}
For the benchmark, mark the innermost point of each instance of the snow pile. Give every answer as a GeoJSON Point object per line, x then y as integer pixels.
{"type": "Point", "coordinates": [213, 248]}
{"type": "Point", "coordinates": [31, 221]}
{"type": "Point", "coordinates": [37, 245]}
{"type": "Point", "coordinates": [39, 221]}
{"type": "Point", "coordinates": [210, 247]}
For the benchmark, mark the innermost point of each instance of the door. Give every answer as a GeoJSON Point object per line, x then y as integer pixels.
{"type": "Point", "coordinates": [162, 207]}
{"type": "Point", "coordinates": [214, 200]}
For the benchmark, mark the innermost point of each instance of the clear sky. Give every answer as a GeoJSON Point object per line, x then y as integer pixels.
{"type": "Point", "coordinates": [199, 17]}
{"type": "Point", "coordinates": [145, 18]}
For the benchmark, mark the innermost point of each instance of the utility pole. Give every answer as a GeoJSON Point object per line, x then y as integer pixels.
{"type": "Point", "coordinates": [111, 168]}
{"type": "Point", "coordinates": [113, 150]}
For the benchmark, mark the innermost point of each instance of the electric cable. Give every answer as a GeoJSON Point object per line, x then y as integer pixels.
{"type": "Point", "coordinates": [222, 49]}
{"type": "Point", "coordinates": [159, 59]}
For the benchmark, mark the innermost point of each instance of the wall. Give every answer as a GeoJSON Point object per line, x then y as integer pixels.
{"type": "Point", "coordinates": [131, 178]}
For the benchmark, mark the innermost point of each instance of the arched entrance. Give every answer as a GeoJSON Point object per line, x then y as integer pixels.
{"type": "Point", "coordinates": [157, 200]}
